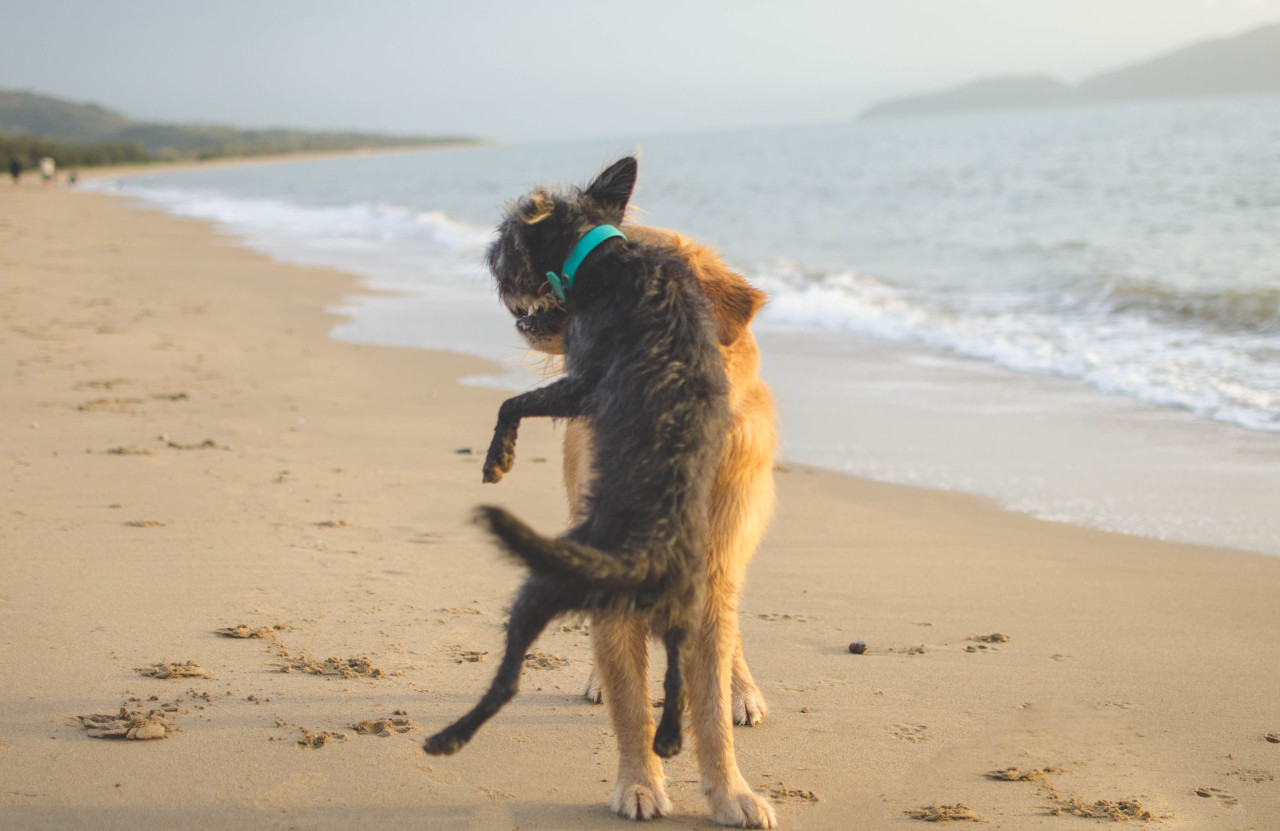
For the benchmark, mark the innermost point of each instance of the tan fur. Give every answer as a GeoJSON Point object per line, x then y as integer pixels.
{"type": "Point", "coordinates": [721, 690]}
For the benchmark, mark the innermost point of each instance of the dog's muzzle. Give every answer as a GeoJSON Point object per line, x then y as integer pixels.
{"type": "Point", "coordinates": [541, 324]}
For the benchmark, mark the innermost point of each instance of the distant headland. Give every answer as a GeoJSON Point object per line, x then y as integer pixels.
{"type": "Point", "coordinates": [1247, 63]}
{"type": "Point", "coordinates": [34, 125]}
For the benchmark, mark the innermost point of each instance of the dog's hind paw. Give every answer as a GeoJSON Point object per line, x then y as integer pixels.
{"type": "Point", "coordinates": [594, 691]}
{"type": "Point", "coordinates": [749, 707]}
{"type": "Point", "coordinates": [443, 744]}
{"type": "Point", "coordinates": [669, 739]}
{"type": "Point", "coordinates": [640, 802]}
{"type": "Point", "coordinates": [742, 809]}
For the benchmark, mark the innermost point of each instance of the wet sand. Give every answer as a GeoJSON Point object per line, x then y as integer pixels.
{"type": "Point", "coordinates": [236, 538]}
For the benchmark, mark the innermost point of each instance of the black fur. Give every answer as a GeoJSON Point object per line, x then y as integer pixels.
{"type": "Point", "coordinates": [642, 364]}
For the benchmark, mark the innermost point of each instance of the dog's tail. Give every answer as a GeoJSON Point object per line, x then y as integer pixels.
{"type": "Point", "coordinates": [564, 556]}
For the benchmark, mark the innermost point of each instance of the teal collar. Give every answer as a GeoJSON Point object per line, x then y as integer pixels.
{"type": "Point", "coordinates": [561, 284]}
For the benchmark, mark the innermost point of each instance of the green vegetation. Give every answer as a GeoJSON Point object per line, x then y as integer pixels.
{"type": "Point", "coordinates": [29, 151]}
{"type": "Point", "coordinates": [82, 135]}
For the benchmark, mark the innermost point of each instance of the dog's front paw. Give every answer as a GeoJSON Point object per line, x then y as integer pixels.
{"type": "Point", "coordinates": [640, 802]}
{"type": "Point", "coordinates": [499, 461]}
{"type": "Point", "coordinates": [496, 465]}
{"type": "Point", "coordinates": [740, 807]}
{"type": "Point", "coordinates": [749, 707]}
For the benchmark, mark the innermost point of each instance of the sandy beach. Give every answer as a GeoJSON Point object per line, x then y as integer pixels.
{"type": "Point", "coordinates": [186, 451]}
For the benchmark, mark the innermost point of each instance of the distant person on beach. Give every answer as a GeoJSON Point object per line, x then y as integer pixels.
{"type": "Point", "coordinates": [47, 168]}
{"type": "Point", "coordinates": [15, 168]}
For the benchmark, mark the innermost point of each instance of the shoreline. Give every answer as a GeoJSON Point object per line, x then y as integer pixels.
{"type": "Point", "coordinates": [332, 500]}
{"type": "Point", "coordinates": [125, 170]}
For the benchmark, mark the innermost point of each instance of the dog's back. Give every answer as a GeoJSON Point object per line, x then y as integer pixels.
{"type": "Point", "coordinates": [642, 339]}
{"type": "Point", "coordinates": [661, 404]}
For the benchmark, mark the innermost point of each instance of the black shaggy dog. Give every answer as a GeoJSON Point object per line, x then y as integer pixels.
{"type": "Point", "coordinates": [642, 365]}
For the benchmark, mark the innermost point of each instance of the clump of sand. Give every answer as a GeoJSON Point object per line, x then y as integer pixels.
{"type": "Point", "coordinates": [315, 740]}
{"type": "Point", "coordinates": [133, 725]}
{"type": "Point", "coordinates": [383, 727]}
{"type": "Point", "coordinates": [944, 813]}
{"type": "Point", "coordinates": [781, 793]}
{"type": "Point", "coordinates": [131, 451]}
{"type": "Point", "coordinates": [1014, 774]}
{"type": "Point", "coordinates": [1122, 810]}
{"type": "Point", "coordinates": [359, 667]}
{"type": "Point", "coordinates": [166, 670]}
{"type": "Point", "coordinates": [541, 660]}
{"type": "Point", "coordinates": [466, 656]}
{"type": "Point", "coordinates": [207, 444]}
{"type": "Point", "coordinates": [244, 630]}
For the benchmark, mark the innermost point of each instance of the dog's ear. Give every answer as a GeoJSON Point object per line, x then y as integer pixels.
{"type": "Point", "coordinates": [534, 207]}
{"type": "Point", "coordinates": [734, 302]}
{"type": "Point", "coordinates": [612, 188]}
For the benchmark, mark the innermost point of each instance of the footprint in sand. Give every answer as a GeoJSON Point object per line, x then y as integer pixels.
{"type": "Point", "coordinates": [541, 660]}
{"type": "Point", "coordinates": [106, 384]}
{"type": "Point", "coordinates": [913, 733]}
{"type": "Point", "coordinates": [166, 670]}
{"type": "Point", "coordinates": [1254, 775]}
{"type": "Point", "coordinates": [1216, 793]}
{"type": "Point", "coordinates": [358, 667]}
{"type": "Point", "coordinates": [984, 643]}
{"type": "Point", "coordinates": [207, 444]}
{"type": "Point", "coordinates": [781, 793]}
{"type": "Point", "coordinates": [1016, 774]}
{"type": "Point", "coordinates": [316, 740]}
{"type": "Point", "coordinates": [466, 656]}
{"type": "Point", "coordinates": [1121, 810]}
{"type": "Point", "coordinates": [244, 630]}
{"type": "Point", "coordinates": [132, 725]}
{"type": "Point", "coordinates": [115, 405]}
{"type": "Point", "coordinates": [944, 813]}
{"type": "Point", "coordinates": [130, 450]}
{"type": "Point", "coordinates": [383, 727]}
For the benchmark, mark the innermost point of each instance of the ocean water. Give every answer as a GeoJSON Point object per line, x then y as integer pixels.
{"type": "Point", "coordinates": [1076, 312]}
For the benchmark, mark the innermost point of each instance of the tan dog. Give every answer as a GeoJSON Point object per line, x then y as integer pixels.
{"type": "Point", "coordinates": [721, 690]}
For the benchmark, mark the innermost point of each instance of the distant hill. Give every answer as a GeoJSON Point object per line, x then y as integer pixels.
{"type": "Point", "coordinates": [29, 121]}
{"type": "Point", "coordinates": [1248, 63]}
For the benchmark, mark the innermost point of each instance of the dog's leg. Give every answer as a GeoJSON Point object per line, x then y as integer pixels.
{"type": "Point", "coordinates": [709, 670]}
{"type": "Point", "coordinates": [565, 398]}
{"type": "Point", "coordinates": [621, 647]}
{"type": "Point", "coordinates": [538, 602]}
{"type": "Point", "coordinates": [667, 741]}
{"type": "Point", "coordinates": [576, 471]}
{"type": "Point", "coordinates": [741, 507]}
{"type": "Point", "coordinates": [749, 707]}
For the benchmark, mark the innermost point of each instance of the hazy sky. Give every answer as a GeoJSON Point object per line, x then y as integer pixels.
{"type": "Point", "coordinates": [548, 69]}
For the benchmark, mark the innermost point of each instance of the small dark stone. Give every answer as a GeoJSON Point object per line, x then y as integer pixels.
{"type": "Point", "coordinates": [858, 647]}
